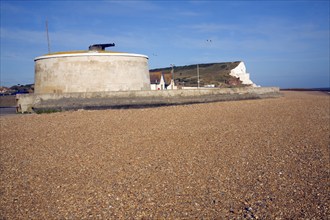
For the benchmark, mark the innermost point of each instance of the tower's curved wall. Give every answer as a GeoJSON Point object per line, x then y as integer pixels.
{"type": "Point", "coordinates": [91, 72]}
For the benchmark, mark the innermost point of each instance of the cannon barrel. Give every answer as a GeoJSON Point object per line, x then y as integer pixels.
{"type": "Point", "coordinates": [100, 46]}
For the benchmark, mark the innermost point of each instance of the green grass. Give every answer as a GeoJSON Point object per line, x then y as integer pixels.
{"type": "Point", "coordinates": [209, 73]}
{"type": "Point", "coordinates": [46, 111]}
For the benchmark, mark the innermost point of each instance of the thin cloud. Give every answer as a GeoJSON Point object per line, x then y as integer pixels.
{"type": "Point", "coordinates": [268, 35]}
{"type": "Point", "coordinates": [211, 27]}
{"type": "Point", "coordinates": [23, 36]}
{"type": "Point", "coordinates": [72, 40]}
{"type": "Point", "coordinates": [10, 8]}
{"type": "Point", "coordinates": [134, 5]}
{"type": "Point", "coordinates": [81, 40]}
{"type": "Point", "coordinates": [188, 13]}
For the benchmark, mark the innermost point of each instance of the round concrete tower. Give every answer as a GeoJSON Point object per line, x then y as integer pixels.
{"type": "Point", "coordinates": [91, 71]}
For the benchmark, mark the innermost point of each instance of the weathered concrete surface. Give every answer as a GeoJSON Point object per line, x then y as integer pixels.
{"type": "Point", "coordinates": [7, 101]}
{"type": "Point", "coordinates": [91, 72]}
{"type": "Point", "coordinates": [30, 103]}
{"type": "Point", "coordinates": [7, 111]}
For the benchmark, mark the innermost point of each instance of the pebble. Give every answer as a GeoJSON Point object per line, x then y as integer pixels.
{"type": "Point", "coordinates": [203, 161]}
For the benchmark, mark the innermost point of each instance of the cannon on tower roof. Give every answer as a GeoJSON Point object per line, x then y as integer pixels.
{"type": "Point", "coordinates": [100, 46]}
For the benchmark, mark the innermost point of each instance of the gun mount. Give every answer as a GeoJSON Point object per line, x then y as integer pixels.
{"type": "Point", "coordinates": [99, 47]}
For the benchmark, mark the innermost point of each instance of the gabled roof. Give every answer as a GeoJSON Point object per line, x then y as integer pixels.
{"type": "Point", "coordinates": [155, 77]}
{"type": "Point", "coordinates": [167, 78]}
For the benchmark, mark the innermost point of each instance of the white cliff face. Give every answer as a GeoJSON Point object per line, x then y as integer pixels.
{"type": "Point", "coordinates": [240, 72]}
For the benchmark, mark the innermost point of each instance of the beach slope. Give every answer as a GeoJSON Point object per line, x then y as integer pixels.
{"type": "Point", "coordinates": [265, 158]}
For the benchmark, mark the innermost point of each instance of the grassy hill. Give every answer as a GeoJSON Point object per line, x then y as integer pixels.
{"type": "Point", "coordinates": [210, 73]}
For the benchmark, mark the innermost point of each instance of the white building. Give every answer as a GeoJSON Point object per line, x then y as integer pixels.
{"type": "Point", "coordinates": [161, 81]}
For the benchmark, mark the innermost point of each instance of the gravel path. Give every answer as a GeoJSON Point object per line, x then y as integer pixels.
{"type": "Point", "coordinates": [249, 159]}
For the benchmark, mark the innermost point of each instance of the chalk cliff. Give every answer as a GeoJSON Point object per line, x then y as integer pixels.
{"type": "Point", "coordinates": [240, 72]}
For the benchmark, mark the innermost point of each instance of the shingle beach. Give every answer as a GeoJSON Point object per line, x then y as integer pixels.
{"type": "Point", "coordinates": [251, 159]}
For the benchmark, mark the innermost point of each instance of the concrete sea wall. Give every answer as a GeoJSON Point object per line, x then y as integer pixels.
{"type": "Point", "coordinates": [96, 100]}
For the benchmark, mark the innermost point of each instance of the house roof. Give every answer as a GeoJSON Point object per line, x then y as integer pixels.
{"type": "Point", "coordinates": [156, 76]}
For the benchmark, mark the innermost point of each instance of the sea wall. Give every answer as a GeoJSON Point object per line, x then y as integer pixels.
{"type": "Point", "coordinates": [97, 100]}
{"type": "Point", "coordinates": [7, 101]}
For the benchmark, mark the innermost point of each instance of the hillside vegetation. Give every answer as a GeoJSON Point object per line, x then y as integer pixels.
{"type": "Point", "coordinates": [210, 73]}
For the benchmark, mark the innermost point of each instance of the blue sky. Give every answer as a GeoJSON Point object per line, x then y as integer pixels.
{"type": "Point", "coordinates": [283, 43]}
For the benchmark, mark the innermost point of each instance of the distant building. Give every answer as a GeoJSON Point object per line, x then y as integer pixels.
{"type": "Point", "coordinates": [3, 90]}
{"type": "Point", "coordinates": [161, 81]}
{"type": "Point", "coordinates": [210, 86]}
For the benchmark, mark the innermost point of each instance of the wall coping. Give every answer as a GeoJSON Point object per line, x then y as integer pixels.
{"type": "Point", "coordinates": [93, 53]}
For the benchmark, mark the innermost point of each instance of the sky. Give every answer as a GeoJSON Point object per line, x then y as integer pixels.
{"type": "Point", "coordinates": [282, 43]}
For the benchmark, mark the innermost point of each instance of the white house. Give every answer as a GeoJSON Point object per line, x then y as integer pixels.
{"type": "Point", "coordinates": [161, 81]}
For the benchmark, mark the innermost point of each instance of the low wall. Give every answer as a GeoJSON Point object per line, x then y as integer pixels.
{"type": "Point", "coordinates": [7, 101]}
{"type": "Point", "coordinates": [96, 100]}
